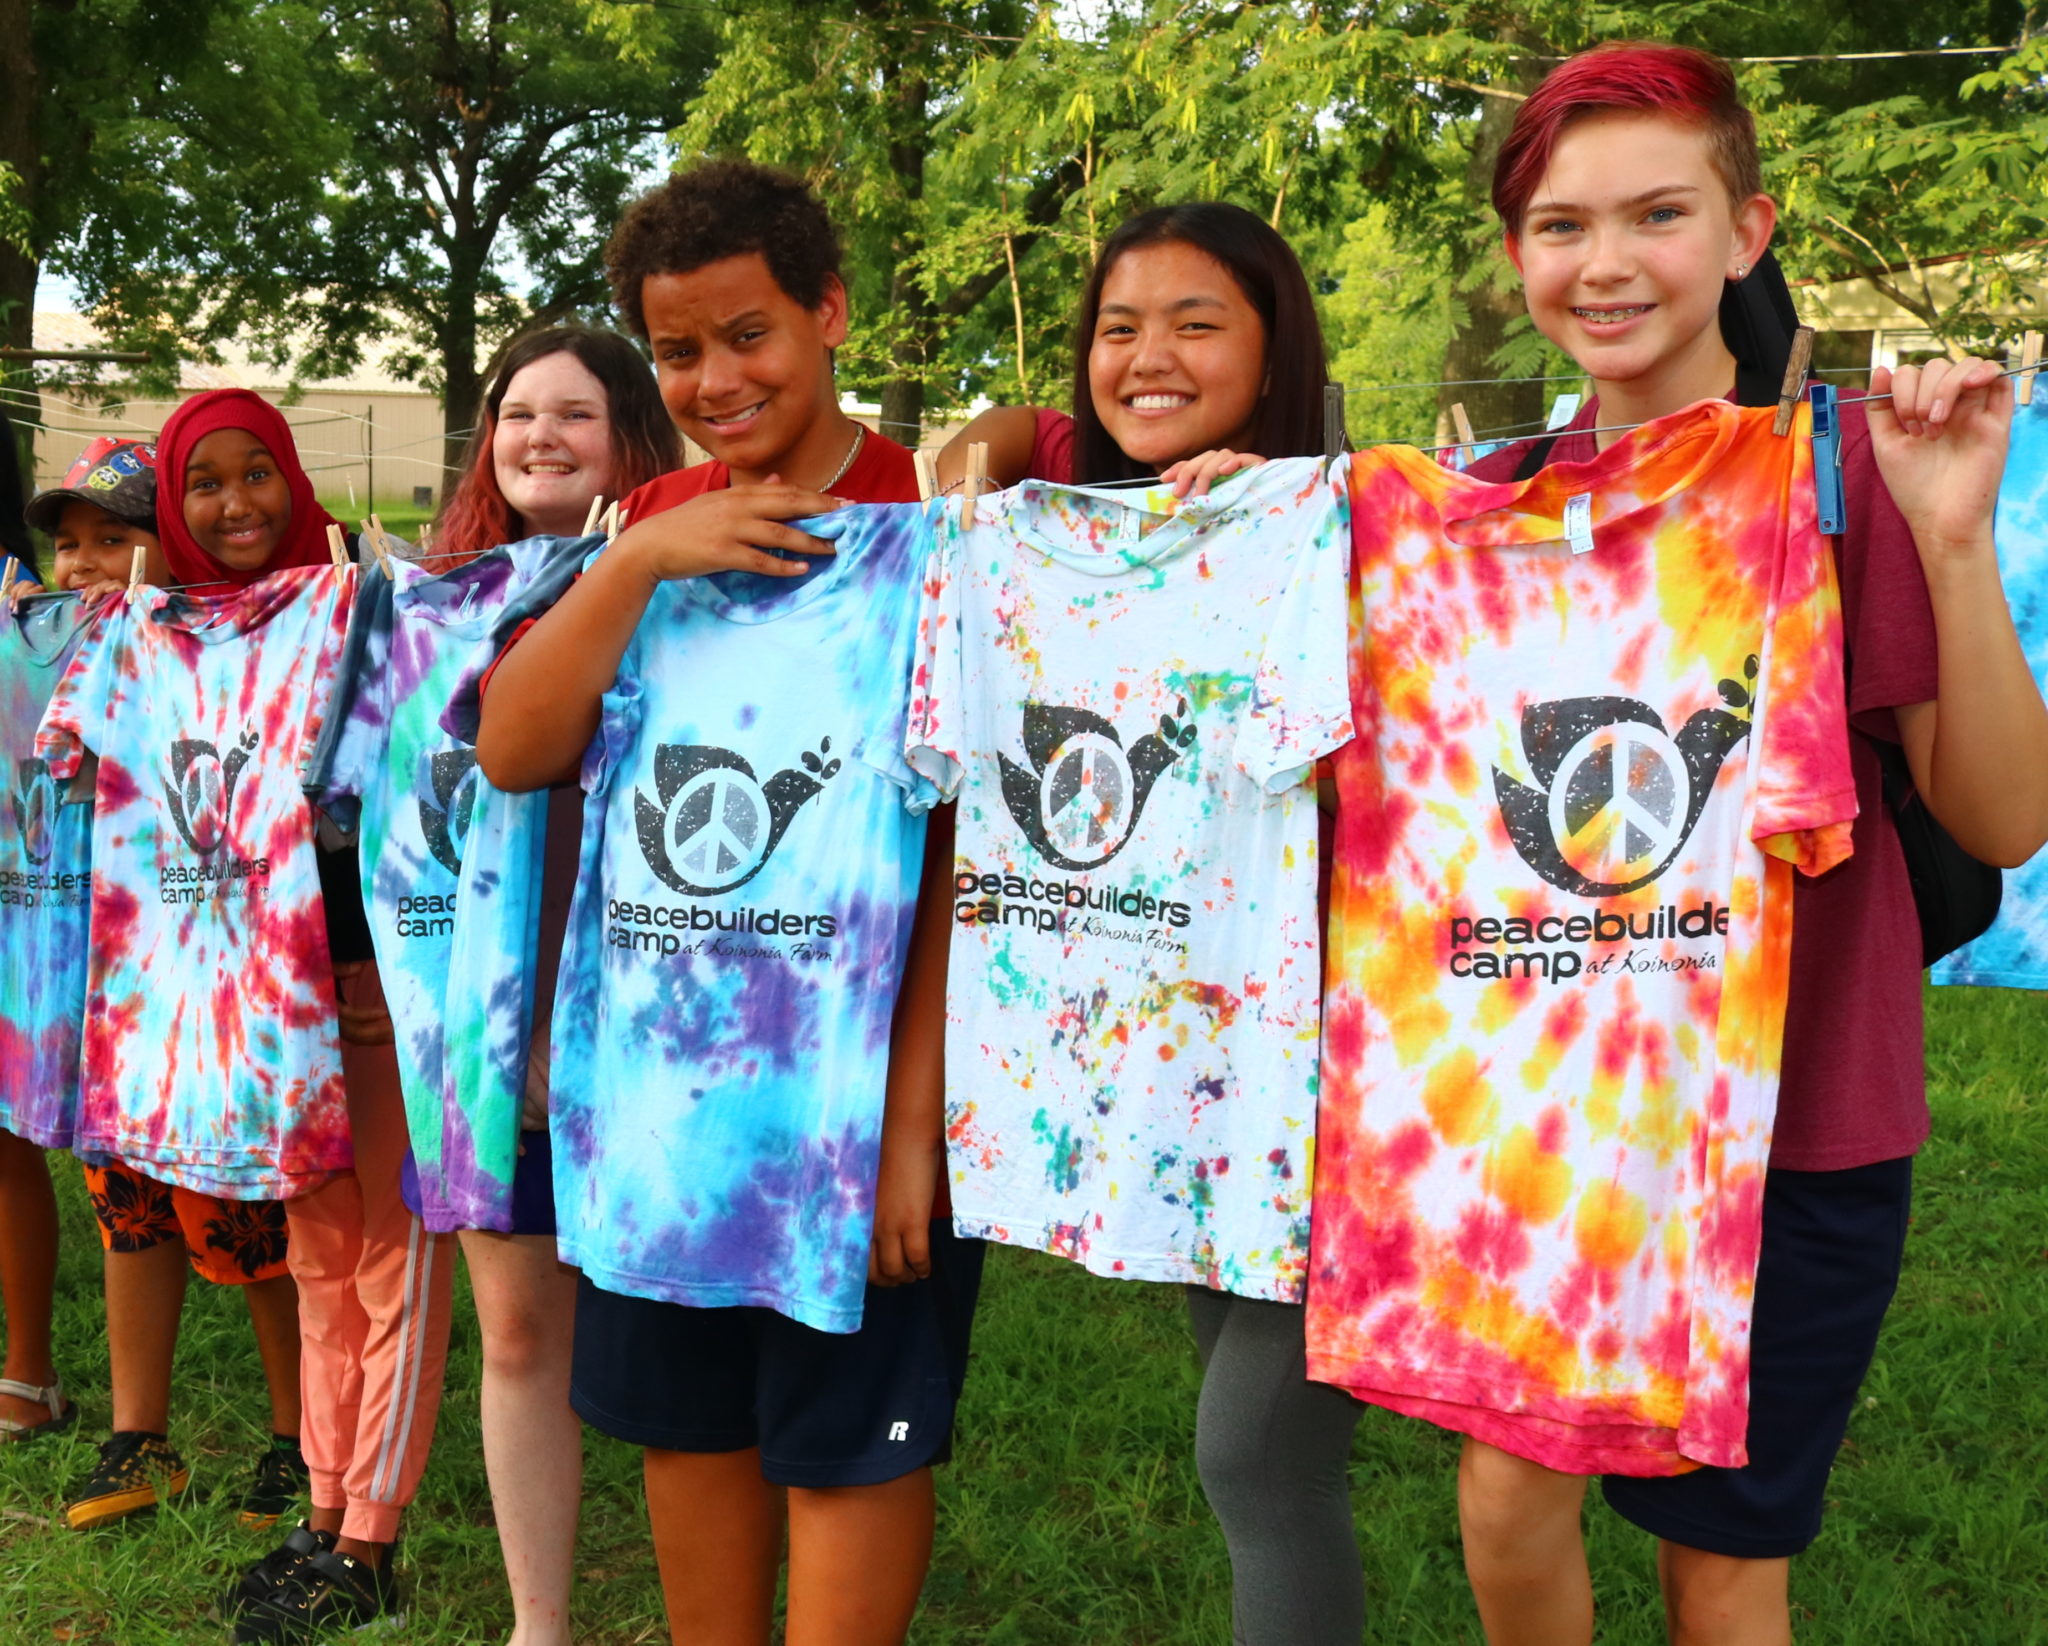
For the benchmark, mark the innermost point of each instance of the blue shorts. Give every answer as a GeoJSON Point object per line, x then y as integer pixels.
{"type": "Point", "coordinates": [1832, 1244]}
{"type": "Point", "coordinates": [825, 1408]}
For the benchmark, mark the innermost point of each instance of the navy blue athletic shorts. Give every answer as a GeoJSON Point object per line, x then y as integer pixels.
{"type": "Point", "coordinates": [826, 1408]}
{"type": "Point", "coordinates": [1832, 1243]}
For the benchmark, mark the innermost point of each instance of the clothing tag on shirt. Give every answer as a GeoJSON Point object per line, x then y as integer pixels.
{"type": "Point", "coordinates": [1578, 522]}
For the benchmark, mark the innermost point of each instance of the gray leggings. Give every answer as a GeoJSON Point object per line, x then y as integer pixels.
{"type": "Point", "coordinates": [1274, 1451]}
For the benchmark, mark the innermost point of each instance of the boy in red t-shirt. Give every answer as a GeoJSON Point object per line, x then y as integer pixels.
{"type": "Point", "coordinates": [1631, 195]}
{"type": "Point", "coordinates": [730, 272]}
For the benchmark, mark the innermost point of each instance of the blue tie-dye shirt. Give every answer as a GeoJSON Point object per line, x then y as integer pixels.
{"type": "Point", "coordinates": [45, 884]}
{"type": "Point", "coordinates": [2014, 953]}
{"type": "Point", "coordinates": [425, 809]}
{"type": "Point", "coordinates": [751, 852]}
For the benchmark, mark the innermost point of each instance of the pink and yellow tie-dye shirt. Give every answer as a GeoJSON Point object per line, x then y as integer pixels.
{"type": "Point", "coordinates": [1600, 720]}
{"type": "Point", "coordinates": [211, 1058]}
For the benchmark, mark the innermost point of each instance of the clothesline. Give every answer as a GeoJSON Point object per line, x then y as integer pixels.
{"type": "Point", "coordinates": [427, 559]}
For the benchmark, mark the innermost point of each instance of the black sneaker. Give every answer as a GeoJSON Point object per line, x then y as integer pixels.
{"type": "Point", "coordinates": [331, 1591]}
{"type": "Point", "coordinates": [279, 1484]}
{"type": "Point", "coordinates": [136, 1472]}
{"type": "Point", "coordinates": [273, 1574]}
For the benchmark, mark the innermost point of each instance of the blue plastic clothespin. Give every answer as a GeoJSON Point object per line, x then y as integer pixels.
{"type": "Point", "coordinates": [1827, 460]}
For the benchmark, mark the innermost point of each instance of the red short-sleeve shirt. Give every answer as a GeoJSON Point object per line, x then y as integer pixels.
{"type": "Point", "coordinates": [1853, 1089]}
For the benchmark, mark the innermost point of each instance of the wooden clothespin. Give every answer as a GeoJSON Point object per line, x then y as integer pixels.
{"type": "Point", "coordinates": [427, 541]}
{"type": "Point", "coordinates": [7, 584]}
{"type": "Point", "coordinates": [337, 545]}
{"type": "Point", "coordinates": [1336, 432]}
{"type": "Point", "coordinates": [927, 475]}
{"type": "Point", "coordinates": [373, 534]}
{"type": "Point", "coordinates": [1795, 379]}
{"type": "Point", "coordinates": [608, 523]}
{"type": "Point", "coordinates": [590, 520]}
{"type": "Point", "coordinates": [135, 573]}
{"type": "Point", "coordinates": [1462, 422]}
{"type": "Point", "coordinates": [2030, 363]}
{"type": "Point", "coordinates": [977, 477]}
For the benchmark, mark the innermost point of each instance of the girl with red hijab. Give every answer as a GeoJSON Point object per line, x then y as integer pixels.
{"type": "Point", "coordinates": [236, 505]}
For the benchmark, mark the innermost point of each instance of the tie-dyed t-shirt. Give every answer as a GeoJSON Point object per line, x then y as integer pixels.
{"type": "Point", "coordinates": [45, 883]}
{"type": "Point", "coordinates": [211, 1058]}
{"type": "Point", "coordinates": [2013, 954]}
{"type": "Point", "coordinates": [417, 792]}
{"type": "Point", "coordinates": [1129, 694]}
{"type": "Point", "coordinates": [1600, 718]}
{"type": "Point", "coordinates": [752, 845]}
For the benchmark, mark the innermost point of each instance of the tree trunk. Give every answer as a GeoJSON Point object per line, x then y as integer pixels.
{"type": "Point", "coordinates": [1492, 301]}
{"type": "Point", "coordinates": [461, 383]}
{"type": "Point", "coordinates": [20, 148]}
{"type": "Point", "coordinates": [909, 304]}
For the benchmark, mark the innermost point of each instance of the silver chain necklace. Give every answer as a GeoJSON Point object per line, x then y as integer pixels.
{"type": "Point", "coordinates": [860, 439]}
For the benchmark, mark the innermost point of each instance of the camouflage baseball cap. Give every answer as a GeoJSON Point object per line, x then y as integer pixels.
{"type": "Point", "coordinates": [119, 475]}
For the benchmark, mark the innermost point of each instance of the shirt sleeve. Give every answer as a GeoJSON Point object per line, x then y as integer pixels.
{"type": "Point", "coordinates": [1301, 695]}
{"type": "Point", "coordinates": [464, 713]}
{"type": "Point", "coordinates": [1805, 791]}
{"type": "Point", "coordinates": [75, 719]}
{"type": "Point", "coordinates": [1052, 448]}
{"type": "Point", "coordinates": [619, 713]}
{"type": "Point", "coordinates": [328, 597]}
{"type": "Point", "coordinates": [933, 744]}
{"type": "Point", "coordinates": [350, 748]}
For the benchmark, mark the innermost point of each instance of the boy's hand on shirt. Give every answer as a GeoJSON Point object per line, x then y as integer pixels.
{"type": "Point", "coordinates": [360, 1025]}
{"type": "Point", "coordinates": [901, 1249]}
{"type": "Point", "coordinates": [1193, 476]}
{"type": "Point", "coordinates": [728, 530]}
{"type": "Point", "coordinates": [1940, 445]}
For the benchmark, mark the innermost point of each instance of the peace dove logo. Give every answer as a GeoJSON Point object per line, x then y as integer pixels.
{"type": "Point", "coordinates": [713, 825]}
{"type": "Point", "coordinates": [34, 803]}
{"type": "Point", "coordinates": [1619, 795]}
{"type": "Point", "coordinates": [201, 789]}
{"type": "Point", "coordinates": [1081, 797]}
{"type": "Point", "coordinates": [447, 800]}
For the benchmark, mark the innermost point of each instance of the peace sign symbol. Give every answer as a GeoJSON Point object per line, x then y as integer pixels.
{"type": "Point", "coordinates": [37, 811]}
{"type": "Point", "coordinates": [1084, 802]}
{"type": "Point", "coordinates": [1619, 802]}
{"type": "Point", "coordinates": [202, 794]}
{"type": "Point", "coordinates": [717, 827]}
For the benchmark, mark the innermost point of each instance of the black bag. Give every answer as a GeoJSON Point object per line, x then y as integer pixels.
{"type": "Point", "coordinates": [1957, 895]}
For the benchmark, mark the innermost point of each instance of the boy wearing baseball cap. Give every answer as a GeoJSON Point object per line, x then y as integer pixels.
{"type": "Point", "coordinates": [104, 509]}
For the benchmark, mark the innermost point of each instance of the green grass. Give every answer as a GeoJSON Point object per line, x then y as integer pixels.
{"type": "Point", "coordinates": [1072, 1514]}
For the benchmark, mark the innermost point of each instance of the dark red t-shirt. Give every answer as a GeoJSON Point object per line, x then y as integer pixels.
{"type": "Point", "coordinates": [1854, 1088]}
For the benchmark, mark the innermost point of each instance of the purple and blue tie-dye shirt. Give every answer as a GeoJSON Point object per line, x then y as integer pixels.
{"type": "Point", "coordinates": [1128, 693]}
{"type": "Point", "coordinates": [751, 852]}
{"type": "Point", "coordinates": [211, 1058]}
{"type": "Point", "coordinates": [2013, 954]}
{"type": "Point", "coordinates": [386, 766]}
{"type": "Point", "coordinates": [45, 884]}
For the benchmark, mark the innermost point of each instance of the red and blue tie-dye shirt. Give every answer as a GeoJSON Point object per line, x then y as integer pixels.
{"type": "Point", "coordinates": [45, 883]}
{"type": "Point", "coordinates": [1600, 718]}
{"type": "Point", "coordinates": [210, 1058]}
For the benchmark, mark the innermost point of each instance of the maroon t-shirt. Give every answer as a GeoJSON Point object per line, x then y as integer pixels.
{"type": "Point", "coordinates": [1854, 1086]}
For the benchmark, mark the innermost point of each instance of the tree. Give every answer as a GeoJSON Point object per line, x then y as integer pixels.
{"type": "Point", "coordinates": [332, 177]}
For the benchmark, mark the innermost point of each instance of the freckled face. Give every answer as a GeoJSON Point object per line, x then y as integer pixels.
{"type": "Point", "coordinates": [1627, 243]}
{"type": "Point", "coordinates": [93, 546]}
{"type": "Point", "coordinates": [238, 504]}
{"type": "Point", "coordinates": [1177, 365]}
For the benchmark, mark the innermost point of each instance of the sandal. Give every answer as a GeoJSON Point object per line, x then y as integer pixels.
{"type": "Point", "coordinates": [63, 1413]}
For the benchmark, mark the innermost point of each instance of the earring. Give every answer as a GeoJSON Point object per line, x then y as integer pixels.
{"type": "Point", "coordinates": [1741, 271]}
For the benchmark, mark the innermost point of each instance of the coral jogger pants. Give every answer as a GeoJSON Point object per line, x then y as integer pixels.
{"type": "Point", "coordinates": [373, 1309]}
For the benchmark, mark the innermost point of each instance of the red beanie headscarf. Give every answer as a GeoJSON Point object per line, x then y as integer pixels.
{"type": "Point", "coordinates": [305, 539]}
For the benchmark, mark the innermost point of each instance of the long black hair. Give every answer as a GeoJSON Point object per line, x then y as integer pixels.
{"type": "Point", "coordinates": [1289, 418]}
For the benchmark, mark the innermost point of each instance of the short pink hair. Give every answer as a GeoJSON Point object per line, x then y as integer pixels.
{"type": "Point", "coordinates": [1694, 88]}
